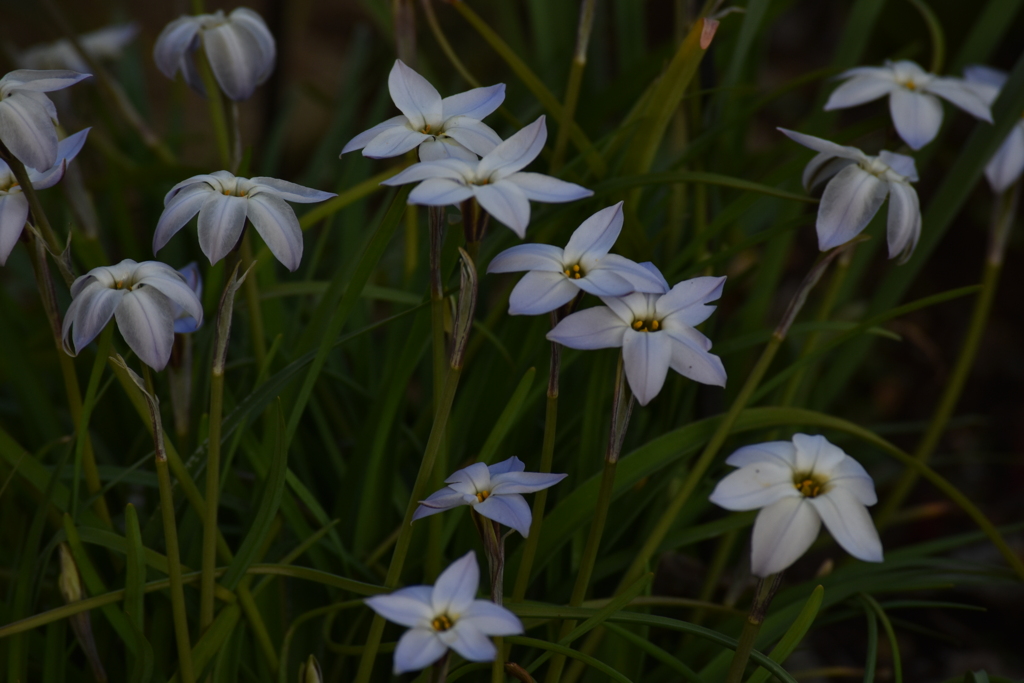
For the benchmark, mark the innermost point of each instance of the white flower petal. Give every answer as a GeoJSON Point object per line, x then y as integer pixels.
{"type": "Point", "coordinates": [755, 486]}
{"type": "Point", "coordinates": [513, 464]}
{"type": "Point", "coordinates": [816, 454]}
{"type": "Point", "coordinates": [290, 192]}
{"type": "Point", "coordinates": [444, 147]}
{"type": "Point", "coordinates": [439, 192]}
{"type": "Point", "coordinates": [89, 313]}
{"type": "Point", "coordinates": [393, 142]}
{"type": "Point", "coordinates": [850, 201]}
{"type": "Point", "coordinates": [417, 649]}
{"type": "Point", "coordinates": [490, 619]}
{"type": "Point", "coordinates": [364, 138]}
{"type": "Point", "coordinates": [821, 168]}
{"type": "Point", "coordinates": [782, 533]}
{"type": "Point", "coordinates": [173, 43]}
{"type": "Point", "coordinates": [67, 149]}
{"type": "Point", "coordinates": [146, 322]}
{"type": "Point", "coordinates": [1007, 163]}
{"type": "Point", "coordinates": [849, 523]}
{"type": "Point", "coordinates": [439, 501]}
{"type": "Point", "coordinates": [475, 136]}
{"type": "Point", "coordinates": [958, 92]}
{"type": "Point", "coordinates": [596, 235]}
{"type": "Point", "coordinates": [235, 58]}
{"type": "Point", "coordinates": [506, 203]}
{"type": "Point", "coordinates": [904, 220]}
{"type": "Point", "coordinates": [900, 163]}
{"type": "Point", "coordinates": [545, 188]}
{"type": "Point", "coordinates": [858, 90]}
{"type": "Point", "coordinates": [415, 97]}
{"type": "Point", "coordinates": [455, 588]}
{"type": "Point", "coordinates": [276, 223]}
{"type": "Point", "coordinates": [523, 482]}
{"type": "Point", "coordinates": [251, 22]}
{"type": "Point", "coordinates": [182, 207]}
{"type": "Point", "coordinates": [687, 300]}
{"type": "Point", "coordinates": [694, 362]}
{"type": "Point", "coordinates": [781, 452]}
{"type": "Point", "coordinates": [471, 479]}
{"type": "Point", "coordinates": [28, 132]}
{"type": "Point", "coordinates": [40, 80]}
{"type": "Point", "coordinates": [221, 220]}
{"type": "Point", "coordinates": [174, 288]}
{"type": "Point", "coordinates": [604, 282]}
{"type": "Point", "coordinates": [540, 292]}
{"type": "Point", "coordinates": [645, 358]}
{"type": "Point", "coordinates": [985, 75]}
{"type": "Point", "coordinates": [13, 216]}
{"type": "Point", "coordinates": [639, 276]}
{"type": "Point", "coordinates": [455, 169]}
{"type": "Point", "coordinates": [509, 509]}
{"type": "Point", "coordinates": [592, 328]}
{"type": "Point", "coordinates": [476, 103]}
{"type": "Point", "coordinates": [635, 306]}
{"type": "Point", "coordinates": [819, 145]}
{"type": "Point", "coordinates": [407, 607]}
{"type": "Point", "coordinates": [470, 643]}
{"type": "Point", "coordinates": [917, 116]}
{"type": "Point", "coordinates": [543, 257]}
{"type": "Point", "coordinates": [515, 153]}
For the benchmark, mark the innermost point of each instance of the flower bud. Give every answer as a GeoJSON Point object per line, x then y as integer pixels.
{"type": "Point", "coordinates": [309, 671]}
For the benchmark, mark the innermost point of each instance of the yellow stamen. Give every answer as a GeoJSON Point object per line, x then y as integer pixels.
{"type": "Point", "coordinates": [442, 623]}
{"type": "Point", "coordinates": [567, 273]}
{"type": "Point", "coordinates": [654, 325]}
{"type": "Point", "coordinates": [482, 496]}
{"type": "Point", "coordinates": [638, 324]}
{"type": "Point", "coordinates": [808, 487]}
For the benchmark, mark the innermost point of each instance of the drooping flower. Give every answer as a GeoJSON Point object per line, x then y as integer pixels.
{"type": "Point", "coordinates": [494, 491]}
{"type": "Point", "coordinates": [239, 47]}
{"type": "Point", "coordinates": [496, 181]}
{"type": "Point", "coordinates": [141, 297]}
{"type": "Point", "coordinates": [655, 332]}
{"type": "Point", "coordinates": [915, 109]}
{"type": "Point", "coordinates": [104, 43]}
{"type": "Point", "coordinates": [557, 275]}
{"type": "Point", "coordinates": [223, 202]}
{"type": "Point", "coordinates": [445, 615]}
{"type": "Point", "coordinates": [857, 186]}
{"type": "Point", "coordinates": [13, 203]}
{"type": "Point", "coordinates": [798, 485]}
{"type": "Point", "coordinates": [441, 128]}
{"type": "Point", "coordinates": [27, 116]}
{"type": "Point", "coordinates": [1007, 164]}
{"type": "Point", "coordinates": [183, 322]}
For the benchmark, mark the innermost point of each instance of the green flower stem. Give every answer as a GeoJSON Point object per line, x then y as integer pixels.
{"type": "Point", "coordinates": [622, 408]}
{"type": "Point", "coordinates": [209, 558]}
{"type": "Point", "coordinates": [572, 89]}
{"type": "Point", "coordinates": [763, 595]}
{"type": "Point", "coordinates": [436, 218]}
{"type": "Point", "coordinates": [215, 103]}
{"type": "Point", "coordinates": [174, 570]}
{"type": "Point", "coordinates": [235, 122]}
{"type": "Point", "coordinates": [1004, 212]}
{"type": "Point", "coordinates": [935, 32]}
{"type": "Point", "coordinates": [104, 345]}
{"type": "Point", "coordinates": [439, 671]}
{"type": "Point", "coordinates": [547, 454]}
{"type": "Point", "coordinates": [394, 574]}
{"type": "Point", "coordinates": [252, 302]}
{"type": "Point", "coordinates": [38, 215]}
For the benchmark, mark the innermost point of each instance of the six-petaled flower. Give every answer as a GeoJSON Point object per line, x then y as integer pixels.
{"type": "Point", "coordinates": [27, 116]}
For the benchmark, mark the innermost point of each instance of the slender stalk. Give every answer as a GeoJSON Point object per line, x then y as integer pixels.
{"type": "Point", "coordinates": [572, 89]}
{"type": "Point", "coordinates": [446, 47]}
{"type": "Point", "coordinates": [405, 535]}
{"type": "Point", "coordinates": [1002, 221]}
{"type": "Point", "coordinates": [209, 556]}
{"type": "Point", "coordinates": [252, 303]}
{"type": "Point", "coordinates": [174, 572]}
{"type": "Point", "coordinates": [498, 665]}
{"type": "Point", "coordinates": [236, 136]}
{"type": "Point", "coordinates": [38, 215]}
{"type": "Point", "coordinates": [436, 217]}
{"type": "Point", "coordinates": [215, 103]}
{"type": "Point", "coordinates": [763, 595]}
{"type": "Point", "coordinates": [439, 671]}
{"type": "Point", "coordinates": [622, 408]}
{"type": "Point", "coordinates": [82, 426]}
{"type": "Point", "coordinates": [547, 454]}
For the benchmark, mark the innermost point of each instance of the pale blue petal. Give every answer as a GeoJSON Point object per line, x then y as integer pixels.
{"type": "Point", "coordinates": [13, 216]}
{"type": "Point", "coordinates": [490, 619]}
{"type": "Point", "coordinates": [917, 116]}
{"type": "Point", "coordinates": [958, 92]}
{"type": "Point", "coordinates": [235, 58]}
{"type": "Point", "coordinates": [782, 533]}
{"type": "Point", "coordinates": [686, 301]}
{"type": "Point", "coordinates": [439, 192]}
{"type": "Point", "coordinates": [523, 482]}
{"type": "Point", "coordinates": [646, 357]}
{"type": "Point", "coordinates": [1007, 163]}
{"type": "Point", "coordinates": [545, 188]}
{"type": "Point", "coordinates": [179, 211]}
{"type": "Point", "coordinates": [415, 97]}
{"type": "Point", "coordinates": [509, 509]}
{"type": "Point", "coordinates": [469, 642]}
{"type": "Point", "coordinates": [407, 607]}
{"type": "Point", "coordinates": [290, 192]}
{"type": "Point", "coordinates": [455, 588]}
{"type": "Point", "coordinates": [506, 203]}
{"type": "Point", "coordinates": [850, 201]}
{"type": "Point", "coordinates": [475, 136]}
{"type": "Point", "coordinates": [596, 235]}
{"type": "Point", "coordinates": [471, 479]}
{"type": "Point", "coordinates": [146, 322]}
{"type": "Point", "coordinates": [904, 221]}
{"type": "Point", "coordinates": [475, 104]}
{"type": "Point", "coordinates": [781, 452]}
{"type": "Point", "coordinates": [849, 523]}
{"type": "Point", "coordinates": [67, 149]}
{"type": "Point", "coordinates": [824, 146]}
{"type": "Point", "coordinates": [513, 464]}
{"type": "Point", "coordinates": [641, 277]}
{"type": "Point", "coordinates": [276, 223]}
{"type": "Point", "coordinates": [364, 138]}
{"type": "Point", "coordinates": [417, 649]}
{"type": "Point", "coordinates": [515, 153]}
{"type": "Point", "coordinates": [858, 90]}
{"type": "Point", "coordinates": [592, 328]}
{"type": "Point", "coordinates": [173, 44]}
{"type": "Point", "coordinates": [540, 292]}
{"type": "Point", "coordinates": [755, 486]}
{"type": "Point", "coordinates": [28, 132]}
{"type": "Point", "coordinates": [221, 220]}
{"type": "Point", "coordinates": [543, 257]}
{"type": "Point", "coordinates": [393, 141]}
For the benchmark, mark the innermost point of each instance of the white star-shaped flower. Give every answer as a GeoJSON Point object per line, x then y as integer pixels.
{"type": "Point", "coordinates": [798, 485]}
{"type": "Point", "coordinates": [223, 202]}
{"type": "Point", "coordinates": [445, 615]}
{"type": "Point", "coordinates": [1007, 164]}
{"type": "Point", "coordinates": [857, 186]}
{"type": "Point", "coordinates": [655, 332]}
{"type": "Point", "coordinates": [496, 181]}
{"type": "Point", "coordinates": [915, 109]}
{"type": "Point", "coordinates": [239, 46]}
{"type": "Point", "coordinates": [441, 128]}
{"type": "Point", "coordinates": [27, 115]}
{"type": "Point", "coordinates": [13, 203]}
{"type": "Point", "coordinates": [557, 275]}
{"type": "Point", "coordinates": [494, 491]}
{"type": "Point", "coordinates": [144, 298]}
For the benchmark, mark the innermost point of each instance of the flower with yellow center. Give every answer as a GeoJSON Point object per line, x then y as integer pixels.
{"type": "Point", "coordinates": [798, 485]}
{"type": "Point", "coordinates": [915, 109]}
{"type": "Point", "coordinates": [445, 615]}
{"type": "Point", "coordinates": [494, 491]}
{"type": "Point", "coordinates": [555, 276]}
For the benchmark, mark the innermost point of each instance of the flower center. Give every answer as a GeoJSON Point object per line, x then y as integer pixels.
{"type": "Point", "coordinates": [810, 485]}
{"type": "Point", "coordinates": [426, 129]}
{"type": "Point", "coordinates": [646, 325]}
{"type": "Point", "coordinates": [442, 623]}
{"type": "Point", "coordinates": [574, 272]}
{"type": "Point", "coordinates": [909, 84]}
{"type": "Point", "coordinates": [482, 496]}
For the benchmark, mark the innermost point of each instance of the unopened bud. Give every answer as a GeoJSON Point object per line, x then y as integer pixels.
{"type": "Point", "coordinates": [69, 582]}
{"type": "Point", "coordinates": [309, 671]}
{"type": "Point", "coordinates": [467, 306]}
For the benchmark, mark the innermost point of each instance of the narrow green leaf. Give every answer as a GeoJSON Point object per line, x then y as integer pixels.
{"type": "Point", "coordinates": [142, 672]}
{"type": "Point", "coordinates": [655, 652]}
{"type": "Point", "coordinates": [794, 635]}
{"type": "Point", "coordinates": [670, 177]}
{"type": "Point", "coordinates": [135, 570]}
{"type": "Point", "coordinates": [593, 663]}
{"type": "Point", "coordinates": [507, 418]}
